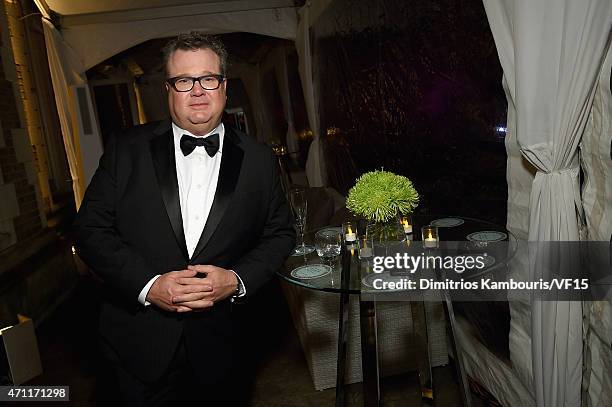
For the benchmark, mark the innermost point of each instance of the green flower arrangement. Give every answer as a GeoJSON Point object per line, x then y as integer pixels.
{"type": "Point", "coordinates": [380, 195]}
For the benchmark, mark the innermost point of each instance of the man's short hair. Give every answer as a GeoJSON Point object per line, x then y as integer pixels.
{"type": "Point", "coordinates": [194, 41]}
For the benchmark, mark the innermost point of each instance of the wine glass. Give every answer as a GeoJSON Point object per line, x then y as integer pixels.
{"type": "Point", "coordinates": [299, 205]}
{"type": "Point", "coordinates": [329, 244]}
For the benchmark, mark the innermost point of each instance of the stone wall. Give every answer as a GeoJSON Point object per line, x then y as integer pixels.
{"type": "Point", "coordinates": [37, 267]}
{"type": "Point", "coordinates": [21, 210]}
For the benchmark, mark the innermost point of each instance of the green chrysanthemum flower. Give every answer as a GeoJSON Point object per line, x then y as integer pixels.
{"type": "Point", "coordinates": [381, 195]}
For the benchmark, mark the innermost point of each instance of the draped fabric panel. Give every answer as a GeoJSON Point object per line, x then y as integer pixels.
{"type": "Point", "coordinates": [596, 162]}
{"type": "Point", "coordinates": [519, 176]}
{"type": "Point", "coordinates": [315, 166]}
{"type": "Point", "coordinates": [595, 151]}
{"type": "Point", "coordinates": [66, 71]}
{"type": "Point", "coordinates": [276, 61]}
{"type": "Point", "coordinates": [551, 52]}
{"type": "Point", "coordinates": [282, 78]}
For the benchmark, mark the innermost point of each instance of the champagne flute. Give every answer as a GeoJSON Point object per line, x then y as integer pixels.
{"type": "Point", "coordinates": [299, 205]}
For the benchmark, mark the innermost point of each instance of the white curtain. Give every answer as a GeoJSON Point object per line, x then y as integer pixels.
{"type": "Point", "coordinates": [276, 61]}
{"type": "Point", "coordinates": [595, 157]}
{"type": "Point", "coordinates": [282, 78]}
{"type": "Point", "coordinates": [519, 177]}
{"type": "Point", "coordinates": [597, 201]}
{"type": "Point", "coordinates": [315, 165]}
{"type": "Point", "coordinates": [66, 71]}
{"type": "Point", "coordinates": [551, 52]}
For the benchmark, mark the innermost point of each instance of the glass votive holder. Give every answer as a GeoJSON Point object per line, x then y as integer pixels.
{"type": "Point", "coordinates": [406, 222]}
{"type": "Point", "coordinates": [349, 232]}
{"type": "Point", "coordinates": [430, 237]}
{"type": "Point", "coordinates": [409, 239]}
{"type": "Point", "coordinates": [365, 247]}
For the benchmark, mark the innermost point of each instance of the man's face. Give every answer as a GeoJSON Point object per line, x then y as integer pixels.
{"type": "Point", "coordinates": [198, 111]}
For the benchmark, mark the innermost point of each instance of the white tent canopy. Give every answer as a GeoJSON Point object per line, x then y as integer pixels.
{"type": "Point", "coordinates": [115, 32]}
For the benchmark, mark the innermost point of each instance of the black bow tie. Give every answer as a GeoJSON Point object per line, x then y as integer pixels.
{"type": "Point", "coordinates": [210, 143]}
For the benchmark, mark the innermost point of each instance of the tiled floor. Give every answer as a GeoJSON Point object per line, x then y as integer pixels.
{"type": "Point", "coordinates": [274, 374]}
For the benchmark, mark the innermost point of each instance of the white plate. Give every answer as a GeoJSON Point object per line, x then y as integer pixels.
{"type": "Point", "coordinates": [331, 229]}
{"type": "Point", "coordinates": [310, 271]}
{"type": "Point", "coordinates": [487, 236]}
{"type": "Point", "coordinates": [447, 222]}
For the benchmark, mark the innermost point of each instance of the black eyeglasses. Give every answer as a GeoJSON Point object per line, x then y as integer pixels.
{"type": "Point", "coordinates": [185, 83]}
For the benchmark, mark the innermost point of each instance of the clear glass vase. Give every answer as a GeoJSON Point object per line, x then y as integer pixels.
{"type": "Point", "coordinates": [386, 235]}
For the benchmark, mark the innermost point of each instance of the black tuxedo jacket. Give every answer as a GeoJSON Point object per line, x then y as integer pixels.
{"type": "Point", "coordinates": [129, 229]}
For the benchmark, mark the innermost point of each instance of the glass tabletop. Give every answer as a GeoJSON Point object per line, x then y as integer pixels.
{"type": "Point", "coordinates": [465, 235]}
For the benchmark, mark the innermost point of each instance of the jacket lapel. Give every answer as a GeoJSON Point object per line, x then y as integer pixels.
{"type": "Point", "coordinates": [231, 163]}
{"type": "Point", "coordinates": [162, 151]}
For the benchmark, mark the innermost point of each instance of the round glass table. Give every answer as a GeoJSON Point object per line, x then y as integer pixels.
{"type": "Point", "coordinates": [349, 276]}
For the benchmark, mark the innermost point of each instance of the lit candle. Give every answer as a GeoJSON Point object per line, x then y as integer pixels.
{"type": "Point", "coordinates": [430, 241]}
{"type": "Point", "coordinates": [365, 250]}
{"type": "Point", "coordinates": [350, 235]}
{"type": "Point", "coordinates": [407, 226]}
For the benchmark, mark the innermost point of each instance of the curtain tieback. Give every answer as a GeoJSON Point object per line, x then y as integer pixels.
{"type": "Point", "coordinates": [571, 172]}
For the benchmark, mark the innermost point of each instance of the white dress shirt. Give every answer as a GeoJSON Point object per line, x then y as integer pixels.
{"type": "Point", "coordinates": [197, 175]}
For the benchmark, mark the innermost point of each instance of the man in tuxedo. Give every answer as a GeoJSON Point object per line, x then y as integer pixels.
{"type": "Point", "coordinates": [180, 218]}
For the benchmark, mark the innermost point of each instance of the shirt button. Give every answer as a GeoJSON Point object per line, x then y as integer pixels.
{"type": "Point", "coordinates": [197, 218]}
{"type": "Point", "coordinates": [199, 186]}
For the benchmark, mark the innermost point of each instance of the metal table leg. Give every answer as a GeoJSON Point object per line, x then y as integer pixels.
{"type": "Point", "coordinates": [342, 338]}
{"type": "Point", "coordinates": [460, 368]}
{"type": "Point", "coordinates": [423, 354]}
{"type": "Point", "coordinates": [369, 353]}
{"type": "Point", "coordinates": [343, 327]}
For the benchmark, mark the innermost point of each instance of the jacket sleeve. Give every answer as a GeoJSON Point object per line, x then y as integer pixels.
{"type": "Point", "coordinates": [97, 239]}
{"type": "Point", "coordinates": [277, 240]}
